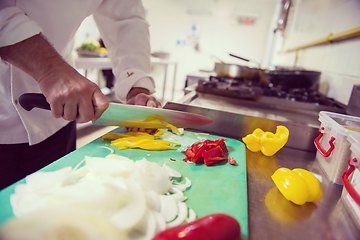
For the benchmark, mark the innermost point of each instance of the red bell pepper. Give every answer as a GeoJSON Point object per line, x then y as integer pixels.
{"type": "Point", "coordinates": [216, 226]}
{"type": "Point", "coordinates": [208, 152]}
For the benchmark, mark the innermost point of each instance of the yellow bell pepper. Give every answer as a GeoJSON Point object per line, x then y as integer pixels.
{"type": "Point", "coordinates": [267, 142]}
{"type": "Point", "coordinates": [298, 185]}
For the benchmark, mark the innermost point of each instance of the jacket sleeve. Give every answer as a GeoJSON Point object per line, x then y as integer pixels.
{"type": "Point", "coordinates": [125, 33]}
{"type": "Point", "coordinates": [15, 26]}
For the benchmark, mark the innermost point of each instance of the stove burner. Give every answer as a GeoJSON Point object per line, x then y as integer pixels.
{"type": "Point", "coordinates": [250, 89]}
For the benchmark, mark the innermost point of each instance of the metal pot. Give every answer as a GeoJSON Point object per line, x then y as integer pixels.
{"type": "Point", "coordinates": [236, 71]}
{"type": "Point", "coordinates": [293, 78]}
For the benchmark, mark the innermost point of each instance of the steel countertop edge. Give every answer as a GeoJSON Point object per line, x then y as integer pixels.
{"type": "Point", "coordinates": [270, 217]}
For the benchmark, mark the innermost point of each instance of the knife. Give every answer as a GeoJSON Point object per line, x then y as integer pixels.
{"type": "Point", "coordinates": [126, 115]}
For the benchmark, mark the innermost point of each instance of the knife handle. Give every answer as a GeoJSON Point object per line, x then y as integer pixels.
{"type": "Point", "coordinates": [29, 101]}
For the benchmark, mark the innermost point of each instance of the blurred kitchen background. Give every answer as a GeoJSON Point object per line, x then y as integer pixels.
{"type": "Point", "coordinates": [189, 36]}
{"type": "Point", "coordinates": [197, 33]}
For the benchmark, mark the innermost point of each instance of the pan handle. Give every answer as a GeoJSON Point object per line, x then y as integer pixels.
{"type": "Point", "coordinates": [245, 59]}
{"type": "Point", "coordinates": [29, 101]}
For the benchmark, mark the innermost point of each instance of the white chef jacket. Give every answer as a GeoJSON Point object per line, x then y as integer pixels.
{"type": "Point", "coordinates": [123, 29]}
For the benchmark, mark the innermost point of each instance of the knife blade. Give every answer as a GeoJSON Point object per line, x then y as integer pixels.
{"type": "Point", "coordinates": [126, 115]}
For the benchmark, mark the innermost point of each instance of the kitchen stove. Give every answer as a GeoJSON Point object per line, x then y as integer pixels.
{"type": "Point", "coordinates": [258, 98]}
{"type": "Point", "coordinates": [267, 93]}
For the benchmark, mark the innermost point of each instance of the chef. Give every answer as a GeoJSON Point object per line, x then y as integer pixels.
{"type": "Point", "coordinates": [35, 49]}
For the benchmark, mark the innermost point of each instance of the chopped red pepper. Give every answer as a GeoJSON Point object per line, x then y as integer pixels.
{"type": "Point", "coordinates": [208, 152]}
{"type": "Point", "coordinates": [232, 161]}
{"type": "Point", "coordinates": [172, 159]}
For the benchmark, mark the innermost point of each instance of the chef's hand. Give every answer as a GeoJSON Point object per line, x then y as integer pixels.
{"type": "Point", "coordinates": [70, 95]}
{"type": "Point", "coordinates": [142, 97]}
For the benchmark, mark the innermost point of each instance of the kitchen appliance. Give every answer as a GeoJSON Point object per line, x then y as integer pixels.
{"type": "Point", "coordinates": [126, 115]}
{"type": "Point", "coordinates": [290, 79]}
{"type": "Point", "coordinates": [258, 99]}
{"type": "Point", "coordinates": [268, 94]}
{"type": "Point", "coordinates": [236, 71]}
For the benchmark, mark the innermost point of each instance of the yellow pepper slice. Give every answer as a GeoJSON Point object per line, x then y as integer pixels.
{"type": "Point", "coordinates": [152, 121]}
{"type": "Point", "coordinates": [298, 185]}
{"type": "Point", "coordinates": [163, 122]}
{"type": "Point", "coordinates": [267, 142]}
{"type": "Point", "coordinates": [142, 140]}
{"type": "Point", "coordinates": [113, 136]}
{"type": "Point", "coordinates": [147, 144]}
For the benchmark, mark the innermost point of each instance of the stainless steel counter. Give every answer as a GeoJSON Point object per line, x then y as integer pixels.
{"type": "Point", "coordinates": [271, 216]}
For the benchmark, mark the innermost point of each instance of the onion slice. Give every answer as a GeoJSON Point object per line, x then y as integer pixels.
{"type": "Point", "coordinates": [181, 215]}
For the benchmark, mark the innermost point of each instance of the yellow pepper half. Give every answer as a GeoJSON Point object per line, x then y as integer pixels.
{"type": "Point", "coordinates": [267, 142]}
{"type": "Point", "coordinates": [298, 185]}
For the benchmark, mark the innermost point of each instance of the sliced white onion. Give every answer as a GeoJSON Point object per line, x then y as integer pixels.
{"type": "Point", "coordinates": [181, 216]}
{"type": "Point", "coordinates": [172, 172]}
{"type": "Point", "coordinates": [60, 222]}
{"type": "Point", "coordinates": [153, 200]}
{"type": "Point", "coordinates": [160, 222]}
{"type": "Point", "coordinates": [152, 177]}
{"type": "Point", "coordinates": [131, 214]}
{"type": "Point", "coordinates": [182, 187]}
{"type": "Point", "coordinates": [178, 195]}
{"type": "Point", "coordinates": [80, 173]}
{"type": "Point", "coordinates": [111, 150]}
{"type": "Point", "coordinates": [169, 208]}
{"type": "Point", "coordinates": [110, 166]}
{"type": "Point", "coordinates": [151, 225]}
{"type": "Point", "coordinates": [101, 198]}
{"type": "Point", "coordinates": [23, 204]}
{"type": "Point", "coordinates": [46, 182]}
{"type": "Point", "coordinates": [129, 194]}
{"type": "Point", "coordinates": [119, 157]}
{"type": "Point", "coordinates": [192, 216]}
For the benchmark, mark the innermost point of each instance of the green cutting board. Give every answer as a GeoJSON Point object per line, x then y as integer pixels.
{"type": "Point", "coordinates": [220, 188]}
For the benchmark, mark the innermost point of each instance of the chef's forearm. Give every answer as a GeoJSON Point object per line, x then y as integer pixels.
{"type": "Point", "coordinates": [34, 56]}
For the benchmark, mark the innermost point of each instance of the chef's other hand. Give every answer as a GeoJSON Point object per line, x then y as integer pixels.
{"type": "Point", "coordinates": [72, 96]}
{"type": "Point", "coordinates": [142, 97]}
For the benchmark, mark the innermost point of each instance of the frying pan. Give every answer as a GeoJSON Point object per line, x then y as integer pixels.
{"type": "Point", "coordinates": [289, 79]}
{"type": "Point", "coordinates": [281, 77]}
{"type": "Point", "coordinates": [237, 71]}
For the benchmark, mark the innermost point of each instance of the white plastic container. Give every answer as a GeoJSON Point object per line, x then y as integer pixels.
{"type": "Point", "coordinates": [333, 147]}
{"type": "Point", "coordinates": [351, 180]}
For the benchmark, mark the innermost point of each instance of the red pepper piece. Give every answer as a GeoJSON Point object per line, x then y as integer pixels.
{"type": "Point", "coordinates": [196, 151]}
{"type": "Point", "coordinates": [232, 161]}
{"type": "Point", "coordinates": [216, 226]}
{"type": "Point", "coordinates": [214, 155]}
{"type": "Point", "coordinates": [199, 150]}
